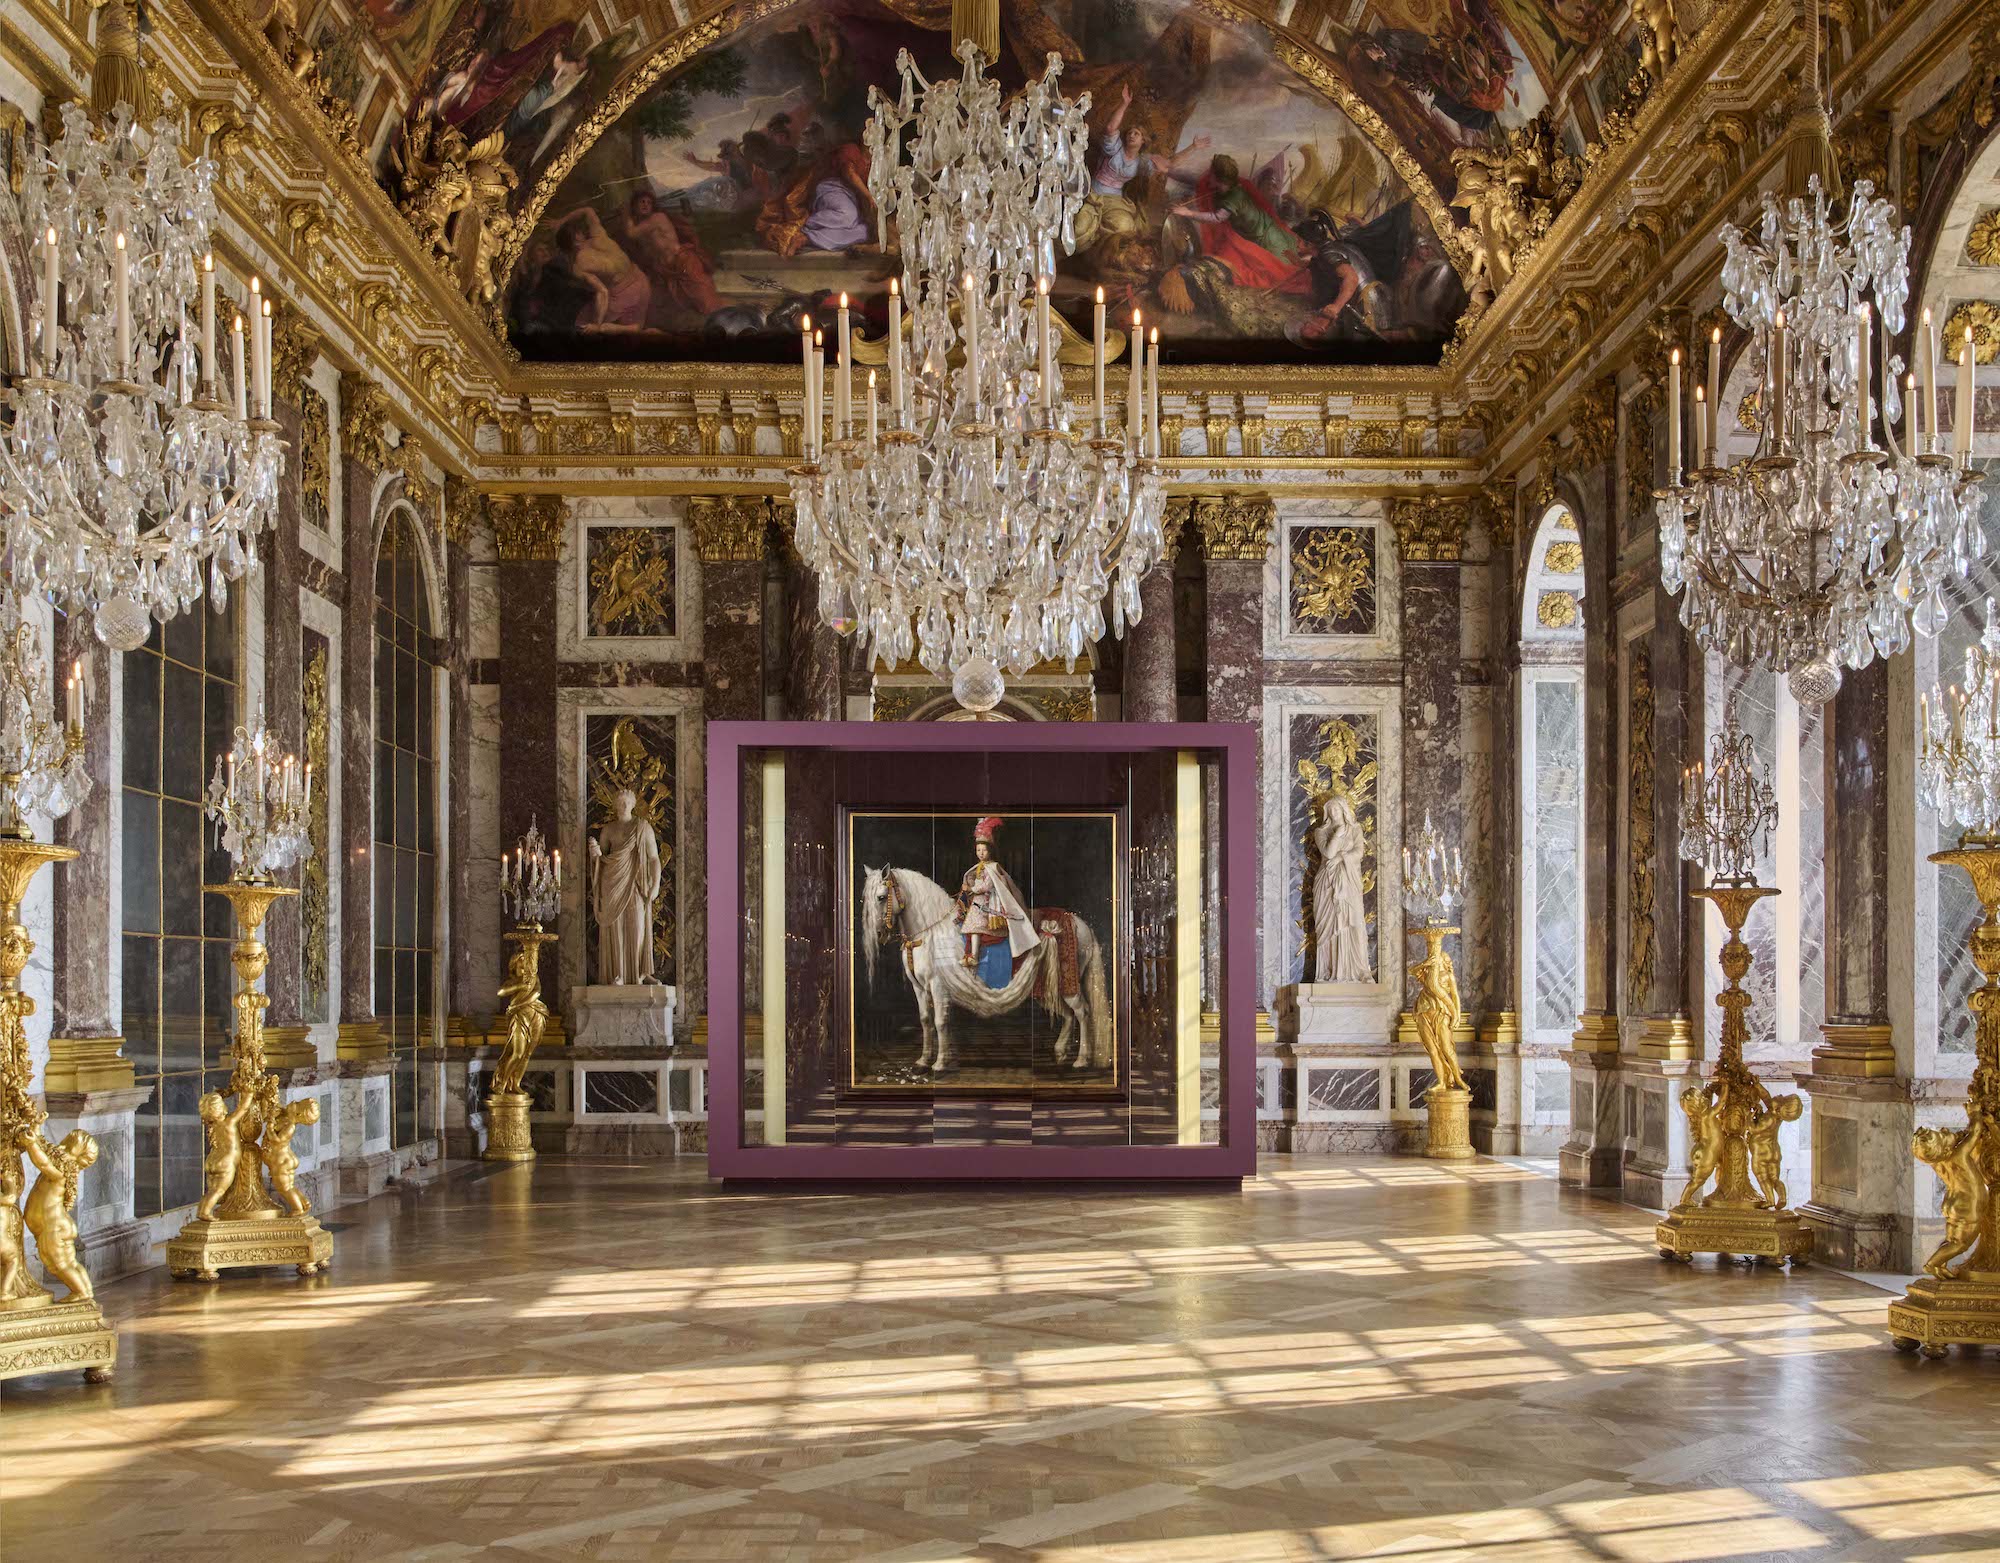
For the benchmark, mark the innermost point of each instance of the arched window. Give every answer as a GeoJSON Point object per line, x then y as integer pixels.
{"type": "Point", "coordinates": [405, 834]}
{"type": "Point", "coordinates": [180, 708]}
{"type": "Point", "coordinates": [1551, 789]}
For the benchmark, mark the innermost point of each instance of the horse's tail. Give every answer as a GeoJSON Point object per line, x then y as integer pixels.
{"type": "Point", "coordinates": [1102, 1043]}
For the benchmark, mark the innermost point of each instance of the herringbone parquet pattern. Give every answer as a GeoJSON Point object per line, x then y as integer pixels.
{"type": "Point", "coordinates": [1351, 1358]}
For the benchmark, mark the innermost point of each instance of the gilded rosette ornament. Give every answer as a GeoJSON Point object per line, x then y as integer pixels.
{"type": "Point", "coordinates": [252, 1211]}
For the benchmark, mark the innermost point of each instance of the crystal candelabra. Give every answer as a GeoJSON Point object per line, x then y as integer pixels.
{"type": "Point", "coordinates": [42, 768]}
{"type": "Point", "coordinates": [1958, 740]}
{"type": "Point", "coordinates": [978, 531]}
{"type": "Point", "coordinates": [1729, 810]}
{"type": "Point", "coordinates": [124, 476]}
{"type": "Point", "coordinates": [261, 804]}
{"type": "Point", "coordinates": [531, 881]}
{"type": "Point", "coordinates": [1433, 877]}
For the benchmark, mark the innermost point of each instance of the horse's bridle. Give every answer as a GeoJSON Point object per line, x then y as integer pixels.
{"type": "Point", "coordinates": [892, 904]}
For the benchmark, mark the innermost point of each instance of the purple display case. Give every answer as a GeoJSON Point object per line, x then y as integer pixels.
{"type": "Point", "coordinates": [816, 752]}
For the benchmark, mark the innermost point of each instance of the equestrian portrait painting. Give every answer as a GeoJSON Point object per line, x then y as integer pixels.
{"type": "Point", "coordinates": [986, 951]}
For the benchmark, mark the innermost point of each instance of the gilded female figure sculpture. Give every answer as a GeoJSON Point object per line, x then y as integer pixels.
{"type": "Point", "coordinates": [51, 1201]}
{"type": "Point", "coordinates": [527, 1015]}
{"type": "Point", "coordinates": [1340, 917]}
{"type": "Point", "coordinates": [1437, 1012]}
{"type": "Point", "coordinates": [624, 884]}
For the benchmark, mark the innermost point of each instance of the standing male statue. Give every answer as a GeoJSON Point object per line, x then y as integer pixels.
{"type": "Point", "coordinates": [624, 884]}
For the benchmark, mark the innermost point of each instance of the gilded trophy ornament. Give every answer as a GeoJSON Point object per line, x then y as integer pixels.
{"type": "Point", "coordinates": [1733, 1119]}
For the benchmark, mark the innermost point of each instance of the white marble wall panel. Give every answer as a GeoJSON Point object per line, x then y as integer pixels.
{"type": "Point", "coordinates": [1551, 818]}
{"type": "Point", "coordinates": [1752, 695]}
{"type": "Point", "coordinates": [1283, 858]}
{"type": "Point", "coordinates": [482, 930]}
{"type": "Point", "coordinates": [573, 583]}
{"type": "Point", "coordinates": [482, 602]}
{"type": "Point", "coordinates": [1481, 986]}
{"type": "Point", "coordinates": [1279, 642]}
{"type": "Point", "coordinates": [322, 617]}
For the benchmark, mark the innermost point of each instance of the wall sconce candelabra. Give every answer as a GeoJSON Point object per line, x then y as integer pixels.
{"type": "Point", "coordinates": [1958, 763]}
{"type": "Point", "coordinates": [1727, 814]}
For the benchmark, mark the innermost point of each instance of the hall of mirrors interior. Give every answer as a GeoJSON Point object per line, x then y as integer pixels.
{"type": "Point", "coordinates": [1165, 779]}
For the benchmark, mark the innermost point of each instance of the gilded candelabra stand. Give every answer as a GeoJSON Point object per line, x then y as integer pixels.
{"type": "Point", "coordinates": [252, 1211]}
{"type": "Point", "coordinates": [1733, 1120]}
{"type": "Point", "coordinates": [42, 771]}
{"type": "Point", "coordinates": [1436, 878]}
{"type": "Point", "coordinates": [531, 890]}
{"type": "Point", "coordinates": [1957, 1300]}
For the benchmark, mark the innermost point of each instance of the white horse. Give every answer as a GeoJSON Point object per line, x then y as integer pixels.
{"type": "Point", "coordinates": [902, 904]}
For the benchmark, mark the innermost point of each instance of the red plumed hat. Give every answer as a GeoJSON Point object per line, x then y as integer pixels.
{"type": "Point", "coordinates": [983, 831]}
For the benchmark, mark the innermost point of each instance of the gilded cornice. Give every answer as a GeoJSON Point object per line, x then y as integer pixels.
{"type": "Point", "coordinates": [729, 527]}
{"type": "Point", "coordinates": [528, 526]}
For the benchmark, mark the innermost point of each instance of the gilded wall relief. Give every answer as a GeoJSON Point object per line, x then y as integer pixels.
{"type": "Point", "coordinates": [1640, 840]}
{"type": "Point", "coordinates": [1335, 765]}
{"type": "Point", "coordinates": [1230, 198]}
{"type": "Point", "coordinates": [631, 584]}
{"type": "Point", "coordinates": [1331, 576]}
{"type": "Point", "coordinates": [315, 902]}
{"type": "Point", "coordinates": [315, 461]}
{"type": "Point", "coordinates": [638, 753]}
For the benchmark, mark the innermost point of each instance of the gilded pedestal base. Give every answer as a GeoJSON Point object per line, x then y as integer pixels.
{"type": "Point", "coordinates": [204, 1249]}
{"type": "Point", "coordinates": [1939, 1313]}
{"type": "Point", "coordinates": [1753, 1233]}
{"type": "Point", "coordinates": [1450, 1133]}
{"type": "Point", "coordinates": [56, 1337]}
{"type": "Point", "coordinates": [507, 1127]}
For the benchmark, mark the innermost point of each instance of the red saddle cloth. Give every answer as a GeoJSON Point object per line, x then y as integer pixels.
{"type": "Point", "coordinates": [1066, 964]}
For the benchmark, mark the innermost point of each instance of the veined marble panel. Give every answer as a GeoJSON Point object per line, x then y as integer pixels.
{"type": "Point", "coordinates": [1957, 907]}
{"type": "Point", "coordinates": [1280, 641]}
{"type": "Point", "coordinates": [1752, 695]}
{"type": "Point", "coordinates": [482, 606]}
{"type": "Point", "coordinates": [1479, 979]}
{"type": "Point", "coordinates": [482, 857]}
{"type": "Point", "coordinates": [686, 875]}
{"type": "Point", "coordinates": [1292, 718]}
{"type": "Point", "coordinates": [325, 620]}
{"type": "Point", "coordinates": [1554, 813]}
{"type": "Point", "coordinates": [573, 640]}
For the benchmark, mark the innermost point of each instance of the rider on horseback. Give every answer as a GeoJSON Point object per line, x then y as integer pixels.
{"type": "Point", "coordinates": [992, 916]}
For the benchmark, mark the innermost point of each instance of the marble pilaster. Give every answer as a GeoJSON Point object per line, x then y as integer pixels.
{"type": "Point", "coordinates": [530, 535]}
{"type": "Point", "coordinates": [730, 534]}
{"type": "Point", "coordinates": [357, 762]}
{"type": "Point", "coordinates": [460, 997]}
{"type": "Point", "coordinates": [1151, 693]}
{"type": "Point", "coordinates": [284, 705]}
{"type": "Point", "coordinates": [812, 652]}
{"type": "Point", "coordinates": [84, 1001]}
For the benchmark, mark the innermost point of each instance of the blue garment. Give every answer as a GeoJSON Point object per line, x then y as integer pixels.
{"type": "Point", "coordinates": [996, 964]}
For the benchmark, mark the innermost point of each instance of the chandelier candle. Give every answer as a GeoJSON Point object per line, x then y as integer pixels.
{"type": "Point", "coordinates": [51, 272]}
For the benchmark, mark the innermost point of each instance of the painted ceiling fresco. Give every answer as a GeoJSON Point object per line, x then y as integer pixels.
{"type": "Point", "coordinates": [1234, 197]}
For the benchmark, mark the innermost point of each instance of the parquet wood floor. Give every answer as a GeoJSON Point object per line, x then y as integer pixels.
{"type": "Point", "coordinates": [1352, 1358]}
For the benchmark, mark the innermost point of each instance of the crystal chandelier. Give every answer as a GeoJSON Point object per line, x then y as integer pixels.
{"type": "Point", "coordinates": [979, 532]}
{"type": "Point", "coordinates": [261, 803]}
{"type": "Point", "coordinates": [1958, 740]}
{"type": "Point", "coordinates": [1820, 549]}
{"type": "Point", "coordinates": [123, 475]}
{"type": "Point", "coordinates": [1729, 811]}
{"type": "Point", "coordinates": [1434, 877]}
{"type": "Point", "coordinates": [531, 881]}
{"type": "Point", "coordinates": [42, 768]}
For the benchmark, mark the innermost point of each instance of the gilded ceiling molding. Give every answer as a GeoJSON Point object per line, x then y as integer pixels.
{"type": "Point", "coordinates": [464, 508]}
{"type": "Point", "coordinates": [729, 527]}
{"type": "Point", "coordinates": [1234, 527]}
{"type": "Point", "coordinates": [364, 411]}
{"type": "Point", "coordinates": [1431, 529]}
{"type": "Point", "coordinates": [528, 526]}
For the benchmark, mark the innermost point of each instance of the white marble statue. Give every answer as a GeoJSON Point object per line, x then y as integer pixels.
{"type": "Point", "coordinates": [1340, 920]}
{"type": "Point", "coordinates": [624, 884]}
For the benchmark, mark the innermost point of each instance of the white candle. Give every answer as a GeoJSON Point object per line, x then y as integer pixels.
{"type": "Point", "coordinates": [819, 390]}
{"type": "Point", "coordinates": [75, 702]}
{"type": "Point", "coordinates": [1132, 378]}
{"type": "Point", "coordinates": [969, 299]}
{"type": "Point", "coordinates": [238, 367]}
{"type": "Point", "coordinates": [208, 375]}
{"type": "Point", "coordinates": [264, 362]}
{"type": "Point", "coordinates": [51, 298]}
{"type": "Point", "coordinates": [82, 695]}
{"type": "Point", "coordinates": [843, 385]}
{"type": "Point", "coordinates": [871, 408]}
{"type": "Point", "coordinates": [1961, 423]}
{"type": "Point", "coordinates": [185, 363]}
{"type": "Point", "coordinates": [806, 375]}
{"type": "Point", "coordinates": [1153, 398]}
{"type": "Point", "coordinates": [1708, 438]}
{"type": "Point", "coordinates": [1674, 418]}
{"type": "Point", "coordinates": [309, 782]}
{"type": "Point", "coordinates": [1774, 415]}
{"type": "Point", "coordinates": [1042, 337]}
{"type": "Point", "coordinates": [1912, 427]}
{"type": "Point", "coordinates": [121, 274]}
{"type": "Point", "coordinates": [895, 353]}
{"type": "Point", "coordinates": [1703, 455]}
{"type": "Point", "coordinates": [558, 861]}
{"type": "Point", "coordinates": [1097, 358]}
{"type": "Point", "coordinates": [1864, 378]}
{"type": "Point", "coordinates": [1927, 366]}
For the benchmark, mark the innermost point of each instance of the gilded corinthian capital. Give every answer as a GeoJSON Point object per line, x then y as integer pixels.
{"type": "Point", "coordinates": [528, 526]}
{"type": "Point", "coordinates": [1430, 529]}
{"type": "Point", "coordinates": [729, 527]}
{"type": "Point", "coordinates": [1234, 528]}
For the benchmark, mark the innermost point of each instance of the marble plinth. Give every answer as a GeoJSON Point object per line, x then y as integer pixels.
{"type": "Point", "coordinates": [1333, 1012]}
{"type": "Point", "coordinates": [1449, 1136]}
{"type": "Point", "coordinates": [204, 1249]}
{"type": "Point", "coordinates": [507, 1118]}
{"type": "Point", "coordinates": [1731, 1230]}
{"type": "Point", "coordinates": [622, 1014]}
{"type": "Point", "coordinates": [1937, 1313]}
{"type": "Point", "coordinates": [55, 1338]}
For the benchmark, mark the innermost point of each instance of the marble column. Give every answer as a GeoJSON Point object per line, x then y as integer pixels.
{"type": "Point", "coordinates": [528, 532]}
{"type": "Point", "coordinates": [462, 508]}
{"type": "Point", "coordinates": [729, 533]}
{"type": "Point", "coordinates": [1235, 536]}
{"type": "Point", "coordinates": [812, 649]}
{"type": "Point", "coordinates": [1151, 692]}
{"type": "Point", "coordinates": [1862, 1113]}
